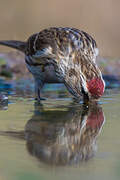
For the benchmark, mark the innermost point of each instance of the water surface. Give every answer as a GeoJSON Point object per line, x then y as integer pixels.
{"type": "Point", "coordinates": [60, 139]}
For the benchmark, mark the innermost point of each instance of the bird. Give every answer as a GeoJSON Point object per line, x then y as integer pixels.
{"type": "Point", "coordinates": [63, 55]}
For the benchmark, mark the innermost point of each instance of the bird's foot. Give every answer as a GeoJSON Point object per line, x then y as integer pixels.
{"type": "Point", "coordinates": [40, 99]}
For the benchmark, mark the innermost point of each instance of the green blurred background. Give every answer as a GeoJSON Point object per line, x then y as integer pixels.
{"type": "Point", "coordinates": [100, 18]}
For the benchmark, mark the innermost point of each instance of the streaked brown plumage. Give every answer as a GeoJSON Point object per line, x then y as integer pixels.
{"type": "Point", "coordinates": [65, 55]}
{"type": "Point", "coordinates": [70, 139]}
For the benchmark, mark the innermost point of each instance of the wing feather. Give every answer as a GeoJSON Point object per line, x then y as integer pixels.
{"type": "Point", "coordinates": [70, 50]}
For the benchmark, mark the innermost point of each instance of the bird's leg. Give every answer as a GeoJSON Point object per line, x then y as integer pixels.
{"type": "Point", "coordinates": [38, 86]}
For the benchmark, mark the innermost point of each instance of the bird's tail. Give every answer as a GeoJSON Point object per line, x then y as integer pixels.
{"type": "Point", "coordinates": [19, 45]}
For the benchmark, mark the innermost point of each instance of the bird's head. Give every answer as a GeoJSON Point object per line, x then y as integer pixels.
{"type": "Point", "coordinates": [95, 87]}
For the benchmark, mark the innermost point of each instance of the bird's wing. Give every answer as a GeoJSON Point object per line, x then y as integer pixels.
{"type": "Point", "coordinates": [61, 42]}
{"type": "Point", "coordinates": [70, 50]}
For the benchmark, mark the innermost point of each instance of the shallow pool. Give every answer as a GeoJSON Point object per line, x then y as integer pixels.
{"type": "Point", "coordinates": [60, 139]}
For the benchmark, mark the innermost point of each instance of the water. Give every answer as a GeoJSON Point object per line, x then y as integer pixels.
{"type": "Point", "coordinates": [60, 139]}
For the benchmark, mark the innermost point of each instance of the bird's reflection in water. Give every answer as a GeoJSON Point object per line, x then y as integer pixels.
{"type": "Point", "coordinates": [64, 135]}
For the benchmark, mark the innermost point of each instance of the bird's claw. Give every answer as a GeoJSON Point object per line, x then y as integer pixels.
{"type": "Point", "coordinates": [40, 99]}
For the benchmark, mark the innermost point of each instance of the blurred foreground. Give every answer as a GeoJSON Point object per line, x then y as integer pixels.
{"type": "Point", "coordinates": [59, 138]}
